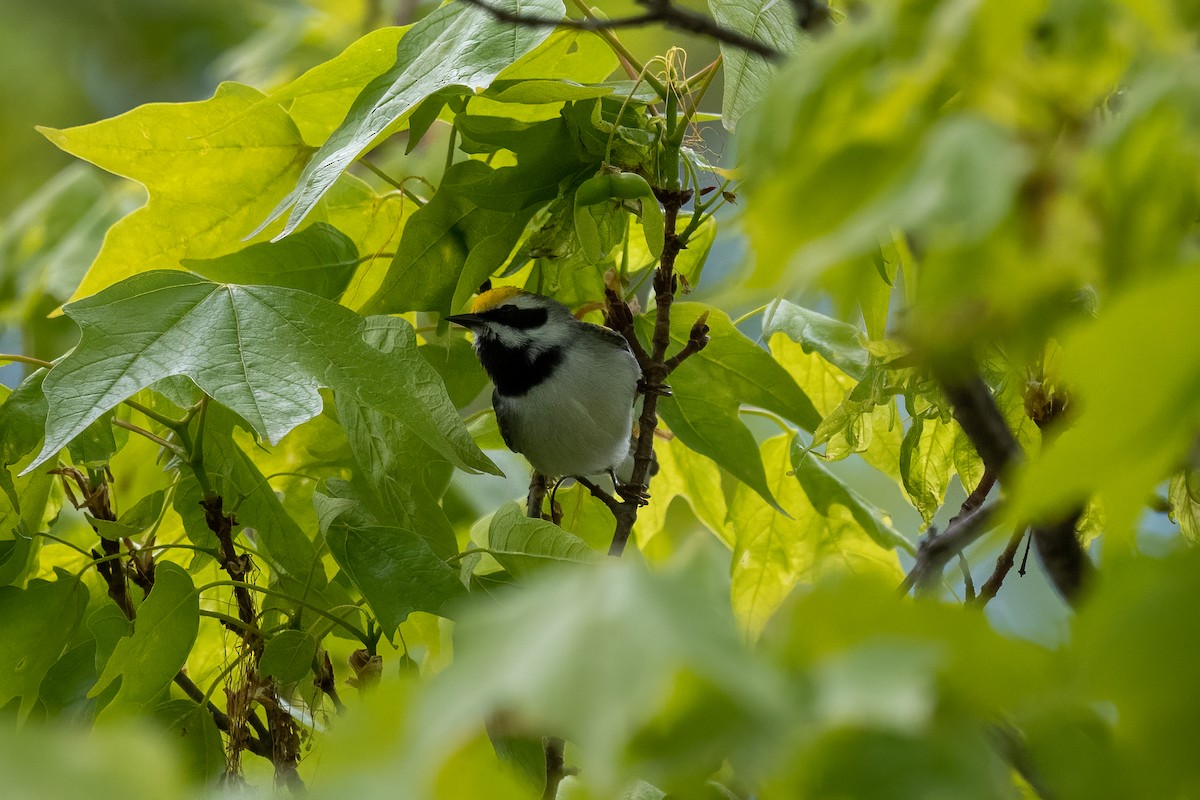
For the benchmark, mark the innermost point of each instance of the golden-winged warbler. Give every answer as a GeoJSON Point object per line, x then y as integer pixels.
{"type": "Point", "coordinates": [564, 389]}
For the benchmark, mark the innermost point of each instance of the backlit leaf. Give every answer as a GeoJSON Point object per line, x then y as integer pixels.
{"type": "Point", "coordinates": [211, 168]}
{"type": "Point", "coordinates": [829, 530]}
{"type": "Point", "coordinates": [458, 44]}
{"type": "Point", "coordinates": [709, 387]}
{"type": "Point", "coordinates": [927, 462]}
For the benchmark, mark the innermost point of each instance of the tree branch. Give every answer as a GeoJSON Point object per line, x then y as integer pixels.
{"type": "Point", "coordinates": [256, 746]}
{"type": "Point", "coordinates": [1058, 547]}
{"type": "Point", "coordinates": [282, 736]}
{"type": "Point", "coordinates": [655, 365]}
{"type": "Point", "coordinates": [935, 552]}
{"type": "Point", "coordinates": [662, 12]}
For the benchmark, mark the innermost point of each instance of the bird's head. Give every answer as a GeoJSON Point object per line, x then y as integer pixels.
{"type": "Point", "coordinates": [516, 319]}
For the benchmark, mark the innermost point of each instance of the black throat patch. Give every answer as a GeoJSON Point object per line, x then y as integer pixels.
{"type": "Point", "coordinates": [513, 370]}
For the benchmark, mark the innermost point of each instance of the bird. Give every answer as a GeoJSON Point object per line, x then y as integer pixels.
{"type": "Point", "coordinates": [564, 389]}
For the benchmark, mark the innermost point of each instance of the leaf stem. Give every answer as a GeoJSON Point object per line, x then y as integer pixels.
{"type": "Point", "coordinates": [750, 314]}
{"type": "Point", "coordinates": [358, 634]}
{"type": "Point", "coordinates": [129, 426]}
{"type": "Point", "coordinates": [19, 359]}
{"type": "Point", "coordinates": [231, 622]}
{"type": "Point", "coordinates": [52, 537]}
{"type": "Point", "coordinates": [161, 419]}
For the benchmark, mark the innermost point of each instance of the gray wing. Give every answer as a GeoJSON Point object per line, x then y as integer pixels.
{"type": "Point", "coordinates": [610, 336]}
{"type": "Point", "coordinates": [503, 422]}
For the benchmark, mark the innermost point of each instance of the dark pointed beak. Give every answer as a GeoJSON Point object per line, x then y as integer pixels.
{"type": "Point", "coordinates": [466, 320]}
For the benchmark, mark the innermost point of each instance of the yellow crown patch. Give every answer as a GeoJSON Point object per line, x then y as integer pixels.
{"type": "Point", "coordinates": [493, 297]}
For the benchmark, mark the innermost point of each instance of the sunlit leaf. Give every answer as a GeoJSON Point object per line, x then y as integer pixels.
{"type": "Point", "coordinates": [827, 530]}
{"type": "Point", "coordinates": [458, 44]}
{"type": "Point", "coordinates": [212, 169]}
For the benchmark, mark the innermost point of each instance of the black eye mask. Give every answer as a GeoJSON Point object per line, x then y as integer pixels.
{"type": "Point", "coordinates": [519, 318]}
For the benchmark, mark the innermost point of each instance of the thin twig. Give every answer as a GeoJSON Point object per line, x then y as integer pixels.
{"type": "Point", "coordinates": [1004, 563]}
{"type": "Point", "coordinates": [968, 581]}
{"type": "Point", "coordinates": [601, 495]}
{"type": "Point", "coordinates": [697, 340]}
{"type": "Point", "coordinates": [662, 12]}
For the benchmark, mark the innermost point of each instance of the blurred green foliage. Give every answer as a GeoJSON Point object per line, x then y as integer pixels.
{"type": "Point", "coordinates": [926, 191]}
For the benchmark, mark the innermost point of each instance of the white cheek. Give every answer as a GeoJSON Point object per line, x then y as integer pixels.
{"type": "Point", "coordinates": [507, 336]}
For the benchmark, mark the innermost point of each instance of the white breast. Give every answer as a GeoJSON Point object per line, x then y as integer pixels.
{"type": "Point", "coordinates": [578, 422]}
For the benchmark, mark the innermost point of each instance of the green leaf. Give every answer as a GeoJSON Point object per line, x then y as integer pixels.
{"type": "Point", "coordinates": [22, 419]}
{"type": "Point", "coordinates": [288, 656]}
{"type": "Point", "coordinates": [709, 388]}
{"type": "Point", "coordinates": [682, 472]}
{"type": "Point", "coordinates": [458, 44]}
{"type": "Point", "coordinates": [139, 517]}
{"type": "Point", "coordinates": [692, 695]}
{"type": "Point", "coordinates": [136, 333]}
{"type": "Point", "coordinates": [747, 75]}
{"type": "Point", "coordinates": [395, 569]}
{"type": "Point", "coordinates": [24, 500]}
{"type": "Point", "coordinates": [211, 167]}
{"type": "Point", "coordinates": [523, 545]}
{"type": "Point", "coordinates": [163, 635]}
{"type": "Point", "coordinates": [319, 259]}
{"type": "Point", "coordinates": [439, 241]}
{"type": "Point", "coordinates": [927, 462]}
{"type": "Point", "coordinates": [36, 624]}
{"type": "Point", "coordinates": [524, 755]}
{"type": "Point", "coordinates": [64, 690]}
{"type": "Point", "coordinates": [318, 100]}
{"type": "Point", "coordinates": [199, 739]}
{"type": "Point", "coordinates": [839, 343]}
{"type": "Point", "coordinates": [396, 471]}
{"type": "Point", "coordinates": [967, 462]}
{"type": "Point", "coordinates": [829, 530]}
{"type": "Point", "coordinates": [1184, 497]}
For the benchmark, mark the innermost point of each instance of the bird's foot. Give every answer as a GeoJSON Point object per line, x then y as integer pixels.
{"type": "Point", "coordinates": [633, 493]}
{"type": "Point", "coordinates": [660, 389]}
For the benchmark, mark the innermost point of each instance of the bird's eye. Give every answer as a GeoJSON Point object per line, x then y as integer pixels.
{"type": "Point", "coordinates": [508, 307]}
